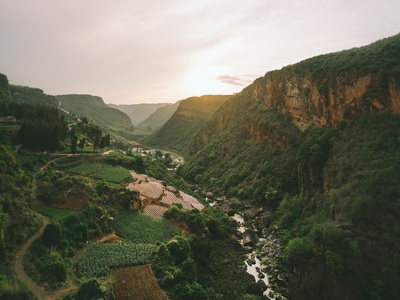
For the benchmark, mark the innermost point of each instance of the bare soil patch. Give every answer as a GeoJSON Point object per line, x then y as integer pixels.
{"type": "Point", "coordinates": [75, 200]}
{"type": "Point", "coordinates": [137, 283]}
{"type": "Point", "coordinates": [110, 239]}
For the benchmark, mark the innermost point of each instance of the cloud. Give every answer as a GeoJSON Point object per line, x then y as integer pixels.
{"type": "Point", "coordinates": [232, 80]}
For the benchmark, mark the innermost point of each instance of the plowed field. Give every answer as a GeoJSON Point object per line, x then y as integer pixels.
{"type": "Point", "coordinates": [136, 283]}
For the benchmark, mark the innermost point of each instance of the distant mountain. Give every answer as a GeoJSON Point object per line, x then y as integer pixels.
{"type": "Point", "coordinates": [24, 94]}
{"type": "Point", "coordinates": [178, 131]}
{"type": "Point", "coordinates": [157, 119]}
{"type": "Point", "coordinates": [138, 112]}
{"type": "Point", "coordinates": [94, 108]}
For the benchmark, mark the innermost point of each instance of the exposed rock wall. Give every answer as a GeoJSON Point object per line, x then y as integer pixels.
{"type": "Point", "coordinates": [326, 100]}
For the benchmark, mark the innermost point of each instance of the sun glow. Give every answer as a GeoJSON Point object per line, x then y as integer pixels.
{"type": "Point", "coordinates": [203, 80]}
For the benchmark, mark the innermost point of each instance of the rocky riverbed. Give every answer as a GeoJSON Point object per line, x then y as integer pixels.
{"type": "Point", "coordinates": [260, 239]}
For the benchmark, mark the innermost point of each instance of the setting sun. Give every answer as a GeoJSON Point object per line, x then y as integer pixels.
{"type": "Point", "coordinates": [203, 80]}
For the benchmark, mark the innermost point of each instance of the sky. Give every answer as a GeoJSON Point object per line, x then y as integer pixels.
{"type": "Point", "coordinates": [156, 51]}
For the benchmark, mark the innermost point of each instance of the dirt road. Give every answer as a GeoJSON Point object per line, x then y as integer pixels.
{"type": "Point", "coordinates": [36, 289]}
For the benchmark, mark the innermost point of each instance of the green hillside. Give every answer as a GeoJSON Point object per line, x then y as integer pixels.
{"type": "Point", "coordinates": [138, 112]}
{"type": "Point", "coordinates": [5, 96]}
{"type": "Point", "coordinates": [24, 94]}
{"type": "Point", "coordinates": [177, 132]}
{"type": "Point", "coordinates": [94, 108]}
{"type": "Point", "coordinates": [332, 191]}
{"type": "Point", "coordinates": [157, 119]}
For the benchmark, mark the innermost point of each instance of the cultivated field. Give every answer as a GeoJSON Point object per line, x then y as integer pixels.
{"type": "Point", "coordinates": [155, 211]}
{"type": "Point", "coordinates": [136, 227]}
{"type": "Point", "coordinates": [112, 174]}
{"type": "Point", "coordinates": [136, 283]}
{"type": "Point", "coordinates": [57, 214]}
{"type": "Point", "coordinates": [99, 258]}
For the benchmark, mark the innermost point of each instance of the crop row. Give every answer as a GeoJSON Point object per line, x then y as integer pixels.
{"type": "Point", "coordinates": [136, 227]}
{"type": "Point", "coordinates": [112, 174]}
{"type": "Point", "coordinates": [100, 258]}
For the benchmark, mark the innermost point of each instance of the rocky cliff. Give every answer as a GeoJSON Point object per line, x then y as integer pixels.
{"type": "Point", "coordinates": [323, 90]}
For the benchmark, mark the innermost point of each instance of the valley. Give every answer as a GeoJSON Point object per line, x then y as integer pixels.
{"type": "Point", "coordinates": [286, 190]}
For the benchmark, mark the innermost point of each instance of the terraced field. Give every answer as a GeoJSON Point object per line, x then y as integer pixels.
{"type": "Point", "coordinates": [155, 211]}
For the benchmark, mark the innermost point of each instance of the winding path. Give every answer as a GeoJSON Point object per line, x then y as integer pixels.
{"type": "Point", "coordinates": [35, 288]}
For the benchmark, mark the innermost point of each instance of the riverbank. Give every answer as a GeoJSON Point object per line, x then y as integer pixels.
{"type": "Point", "coordinates": [260, 238]}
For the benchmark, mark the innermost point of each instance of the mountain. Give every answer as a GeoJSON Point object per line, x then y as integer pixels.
{"type": "Point", "coordinates": [94, 108]}
{"type": "Point", "coordinates": [317, 144]}
{"type": "Point", "coordinates": [24, 94]}
{"type": "Point", "coordinates": [138, 112]}
{"type": "Point", "coordinates": [190, 116]}
{"type": "Point", "coordinates": [157, 119]}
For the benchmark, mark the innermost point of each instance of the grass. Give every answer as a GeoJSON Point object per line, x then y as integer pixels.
{"type": "Point", "coordinates": [84, 169]}
{"type": "Point", "coordinates": [57, 214]}
{"type": "Point", "coordinates": [136, 227]}
{"type": "Point", "coordinates": [112, 174]}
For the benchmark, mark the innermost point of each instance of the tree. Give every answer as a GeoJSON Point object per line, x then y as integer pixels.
{"type": "Point", "coordinates": [74, 144]}
{"type": "Point", "coordinates": [82, 143]}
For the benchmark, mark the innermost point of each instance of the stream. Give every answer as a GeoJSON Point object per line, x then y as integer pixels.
{"type": "Point", "coordinates": [254, 269]}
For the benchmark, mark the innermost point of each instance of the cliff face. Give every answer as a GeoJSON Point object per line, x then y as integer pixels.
{"type": "Point", "coordinates": [323, 90]}
{"type": "Point", "coordinates": [326, 102]}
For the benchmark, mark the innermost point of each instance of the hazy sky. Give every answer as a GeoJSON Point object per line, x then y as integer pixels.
{"type": "Point", "coordinates": [140, 51]}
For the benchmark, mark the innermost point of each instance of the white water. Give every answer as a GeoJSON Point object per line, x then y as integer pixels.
{"type": "Point", "coordinates": [238, 218]}
{"type": "Point", "coordinates": [252, 269]}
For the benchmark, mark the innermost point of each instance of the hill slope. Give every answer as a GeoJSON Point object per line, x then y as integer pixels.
{"type": "Point", "coordinates": [95, 109]}
{"type": "Point", "coordinates": [157, 119]}
{"type": "Point", "coordinates": [138, 112]}
{"type": "Point", "coordinates": [331, 190]}
{"type": "Point", "coordinates": [5, 96]}
{"type": "Point", "coordinates": [24, 94]}
{"type": "Point", "coordinates": [190, 116]}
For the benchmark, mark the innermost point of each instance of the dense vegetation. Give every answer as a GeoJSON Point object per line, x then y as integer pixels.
{"type": "Point", "coordinates": [332, 191]}
{"type": "Point", "coordinates": [24, 94]}
{"type": "Point", "coordinates": [190, 116]}
{"type": "Point", "coordinates": [94, 109]}
{"type": "Point", "coordinates": [157, 119]}
{"type": "Point", "coordinates": [335, 199]}
{"type": "Point", "coordinates": [202, 263]}
{"type": "Point", "coordinates": [17, 222]}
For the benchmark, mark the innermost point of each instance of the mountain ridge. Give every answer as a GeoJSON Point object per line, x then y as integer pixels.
{"type": "Point", "coordinates": [94, 108]}
{"type": "Point", "coordinates": [138, 112]}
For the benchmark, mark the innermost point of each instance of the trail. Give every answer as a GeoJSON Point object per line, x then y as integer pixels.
{"type": "Point", "coordinates": [35, 288]}
{"type": "Point", "coordinates": [53, 160]}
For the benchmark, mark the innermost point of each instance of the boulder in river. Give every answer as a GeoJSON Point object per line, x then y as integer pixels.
{"type": "Point", "coordinates": [226, 208]}
{"type": "Point", "coordinates": [251, 213]}
{"type": "Point", "coordinates": [250, 238]}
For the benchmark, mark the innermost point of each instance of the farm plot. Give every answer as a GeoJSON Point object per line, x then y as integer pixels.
{"type": "Point", "coordinates": [84, 169]}
{"type": "Point", "coordinates": [138, 228]}
{"type": "Point", "coordinates": [112, 174]}
{"type": "Point", "coordinates": [136, 283]}
{"type": "Point", "coordinates": [57, 214]}
{"type": "Point", "coordinates": [155, 211]}
{"type": "Point", "coordinates": [67, 162]}
{"type": "Point", "coordinates": [99, 258]}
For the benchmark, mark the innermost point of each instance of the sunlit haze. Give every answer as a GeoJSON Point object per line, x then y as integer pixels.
{"type": "Point", "coordinates": [162, 51]}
